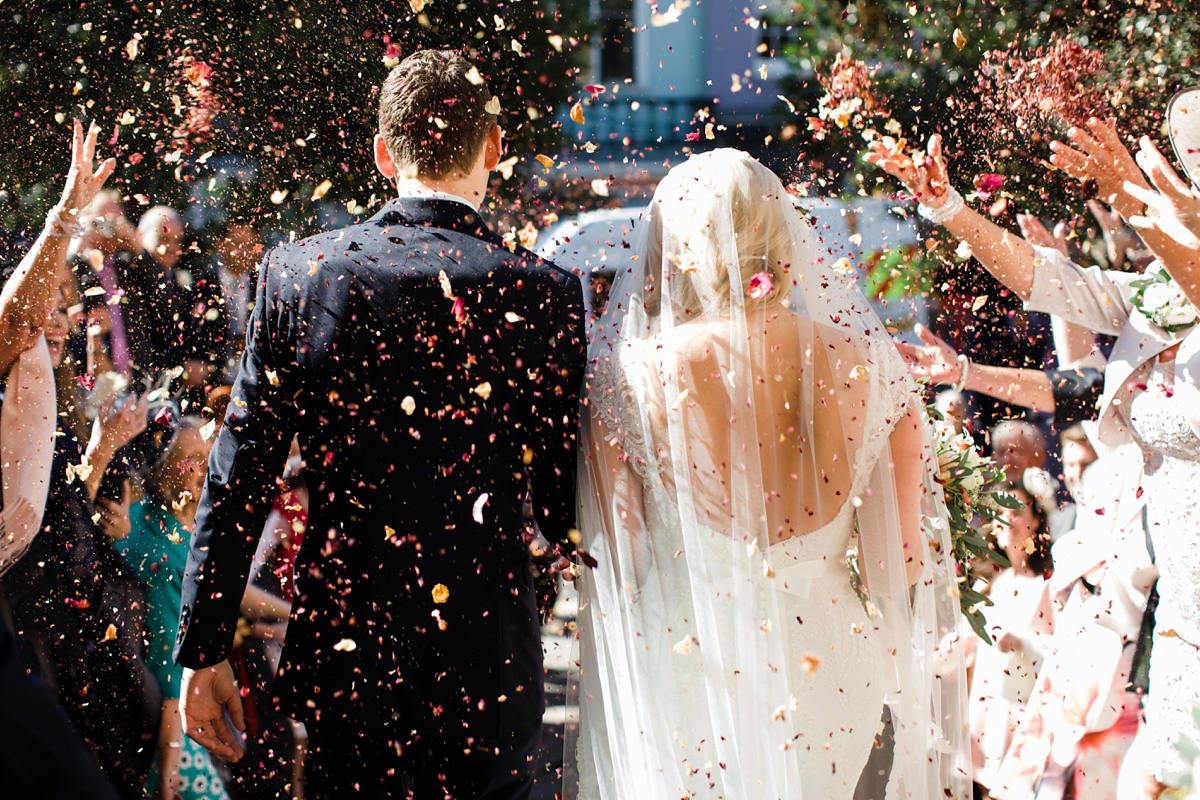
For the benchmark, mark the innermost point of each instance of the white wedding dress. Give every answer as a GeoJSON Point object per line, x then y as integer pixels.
{"type": "Point", "coordinates": [739, 446]}
{"type": "Point", "coordinates": [1170, 479]}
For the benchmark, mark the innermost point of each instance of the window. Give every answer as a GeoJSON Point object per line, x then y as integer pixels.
{"type": "Point", "coordinates": [614, 32]}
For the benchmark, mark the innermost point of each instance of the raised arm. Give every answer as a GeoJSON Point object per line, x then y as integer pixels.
{"type": "Point", "coordinates": [1070, 394]}
{"type": "Point", "coordinates": [1102, 156]}
{"type": "Point", "coordinates": [1044, 278]}
{"type": "Point", "coordinates": [1008, 257]}
{"type": "Point", "coordinates": [27, 296]}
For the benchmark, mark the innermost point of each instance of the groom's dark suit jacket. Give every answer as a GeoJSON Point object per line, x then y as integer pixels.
{"type": "Point", "coordinates": [432, 375]}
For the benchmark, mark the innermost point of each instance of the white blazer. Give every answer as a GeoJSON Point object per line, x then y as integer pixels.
{"type": "Point", "coordinates": [1100, 301]}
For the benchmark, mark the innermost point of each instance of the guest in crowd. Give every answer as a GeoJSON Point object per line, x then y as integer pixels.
{"type": "Point", "coordinates": [1018, 446]}
{"type": "Point", "coordinates": [157, 549]}
{"type": "Point", "coordinates": [1152, 379]}
{"type": "Point", "coordinates": [1019, 621]}
{"type": "Point", "coordinates": [69, 600]}
{"type": "Point", "coordinates": [107, 235]}
{"type": "Point", "coordinates": [151, 299]}
{"type": "Point", "coordinates": [223, 293]}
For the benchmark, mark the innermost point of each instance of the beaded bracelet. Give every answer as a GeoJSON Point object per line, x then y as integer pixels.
{"type": "Point", "coordinates": [65, 227]}
{"type": "Point", "coordinates": [940, 215]}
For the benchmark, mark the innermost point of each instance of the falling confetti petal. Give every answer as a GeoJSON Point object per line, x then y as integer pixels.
{"type": "Point", "coordinates": [409, 405]}
{"type": "Point", "coordinates": [477, 508]}
{"type": "Point", "coordinates": [683, 646]}
{"type": "Point", "coordinates": [440, 593]}
{"type": "Point", "coordinates": [322, 188]}
{"type": "Point", "coordinates": [577, 113]}
{"type": "Point", "coordinates": [345, 646]}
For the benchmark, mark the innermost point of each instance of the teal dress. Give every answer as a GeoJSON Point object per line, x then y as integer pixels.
{"type": "Point", "coordinates": [157, 548]}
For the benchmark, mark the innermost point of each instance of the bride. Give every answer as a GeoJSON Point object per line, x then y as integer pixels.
{"type": "Point", "coordinates": [750, 425]}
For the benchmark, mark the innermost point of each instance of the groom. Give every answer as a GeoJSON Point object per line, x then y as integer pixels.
{"type": "Point", "coordinates": [431, 374]}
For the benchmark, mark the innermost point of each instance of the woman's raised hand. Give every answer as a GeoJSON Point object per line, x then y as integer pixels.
{"type": "Point", "coordinates": [1102, 157]}
{"type": "Point", "coordinates": [925, 177]}
{"type": "Point", "coordinates": [935, 361]}
{"type": "Point", "coordinates": [1035, 233]}
{"type": "Point", "coordinates": [83, 181]}
{"type": "Point", "coordinates": [1175, 203]}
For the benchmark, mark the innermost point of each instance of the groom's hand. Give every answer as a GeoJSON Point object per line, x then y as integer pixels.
{"type": "Point", "coordinates": [205, 696]}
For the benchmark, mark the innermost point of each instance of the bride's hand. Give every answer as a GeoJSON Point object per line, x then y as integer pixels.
{"type": "Point", "coordinates": [1177, 205]}
{"type": "Point", "coordinates": [936, 361]}
{"type": "Point", "coordinates": [1102, 157]}
{"type": "Point", "coordinates": [924, 177]}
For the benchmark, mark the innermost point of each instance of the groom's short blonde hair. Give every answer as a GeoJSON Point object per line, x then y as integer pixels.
{"type": "Point", "coordinates": [433, 113]}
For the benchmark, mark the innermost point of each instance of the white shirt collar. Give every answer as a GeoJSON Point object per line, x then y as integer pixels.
{"type": "Point", "coordinates": [413, 189]}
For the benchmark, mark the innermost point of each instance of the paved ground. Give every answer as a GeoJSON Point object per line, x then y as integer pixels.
{"type": "Point", "coordinates": [557, 647]}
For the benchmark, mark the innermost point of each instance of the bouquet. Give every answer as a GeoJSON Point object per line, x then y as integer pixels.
{"type": "Point", "coordinates": [968, 480]}
{"type": "Point", "coordinates": [1161, 301]}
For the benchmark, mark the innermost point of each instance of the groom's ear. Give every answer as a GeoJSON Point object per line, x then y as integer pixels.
{"type": "Point", "coordinates": [493, 148]}
{"type": "Point", "coordinates": [383, 159]}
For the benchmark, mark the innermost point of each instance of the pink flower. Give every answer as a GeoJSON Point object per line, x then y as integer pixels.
{"type": "Point", "coordinates": [761, 285]}
{"type": "Point", "coordinates": [987, 183]}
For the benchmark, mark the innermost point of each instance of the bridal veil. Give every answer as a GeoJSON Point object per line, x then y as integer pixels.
{"type": "Point", "coordinates": [772, 611]}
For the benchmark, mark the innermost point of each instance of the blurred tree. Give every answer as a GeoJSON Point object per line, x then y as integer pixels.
{"type": "Point", "coordinates": [999, 79]}
{"type": "Point", "coordinates": [970, 69]}
{"type": "Point", "coordinates": [289, 89]}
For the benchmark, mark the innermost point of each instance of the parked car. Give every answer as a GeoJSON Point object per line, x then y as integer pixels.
{"type": "Point", "coordinates": [598, 244]}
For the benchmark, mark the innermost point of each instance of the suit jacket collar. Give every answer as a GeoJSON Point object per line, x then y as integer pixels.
{"type": "Point", "coordinates": [434, 213]}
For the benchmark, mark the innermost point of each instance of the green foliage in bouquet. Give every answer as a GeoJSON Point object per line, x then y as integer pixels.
{"type": "Point", "coordinates": [968, 480]}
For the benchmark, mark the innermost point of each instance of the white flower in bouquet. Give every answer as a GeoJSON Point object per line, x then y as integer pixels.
{"type": "Point", "coordinates": [1162, 302]}
{"type": "Point", "coordinates": [973, 482]}
{"type": "Point", "coordinates": [1156, 296]}
{"type": "Point", "coordinates": [1179, 310]}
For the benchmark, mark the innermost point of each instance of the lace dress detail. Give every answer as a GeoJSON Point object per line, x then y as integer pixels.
{"type": "Point", "coordinates": [1170, 481]}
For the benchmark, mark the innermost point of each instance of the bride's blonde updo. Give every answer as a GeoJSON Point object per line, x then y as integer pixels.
{"type": "Point", "coordinates": [714, 210]}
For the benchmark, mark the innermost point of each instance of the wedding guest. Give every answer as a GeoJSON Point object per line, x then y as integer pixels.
{"type": "Point", "coordinates": [224, 289]}
{"type": "Point", "coordinates": [1076, 454]}
{"type": "Point", "coordinates": [70, 600]}
{"type": "Point", "coordinates": [107, 233]}
{"type": "Point", "coordinates": [1084, 712]}
{"type": "Point", "coordinates": [70, 603]}
{"type": "Point", "coordinates": [1151, 385]}
{"type": "Point", "coordinates": [953, 406]}
{"type": "Point", "coordinates": [157, 549]}
{"type": "Point", "coordinates": [1019, 622]}
{"type": "Point", "coordinates": [152, 294]}
{"type": "Point", "coordinates": [1017, 446]}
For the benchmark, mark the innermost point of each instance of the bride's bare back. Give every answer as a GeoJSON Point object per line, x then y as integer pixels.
{"type": "Point", "coordinates": [806, 445]}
